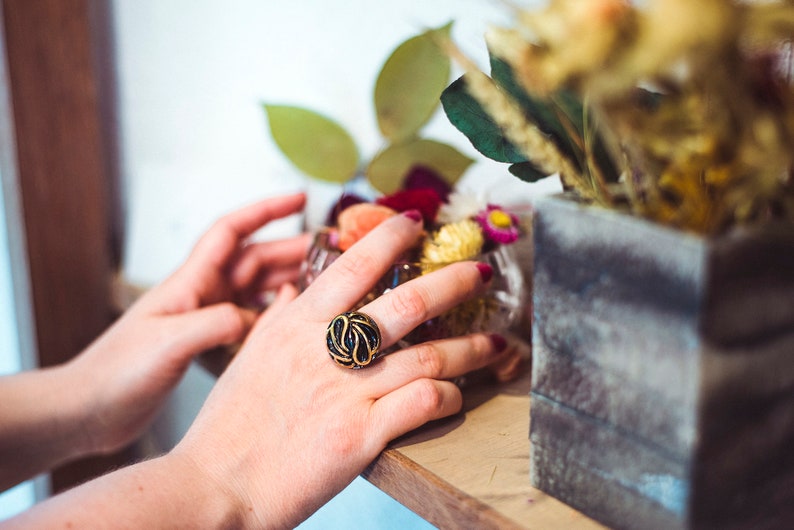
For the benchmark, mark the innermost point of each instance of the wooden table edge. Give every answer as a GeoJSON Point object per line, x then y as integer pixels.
{"type": "Point", "coordinates": [412, 485]}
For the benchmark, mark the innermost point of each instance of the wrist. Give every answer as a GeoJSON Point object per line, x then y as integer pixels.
{"type": "Point", "coordinates": [164, 492]}
{"type": "Point", "coordinates": [64, 412]}
{"type": "Point", "coordinates": [81, 422]}
{"type": "Point", "coordinates": [212, 501]}
{"type": "Point", "coordinates": [43, 427]}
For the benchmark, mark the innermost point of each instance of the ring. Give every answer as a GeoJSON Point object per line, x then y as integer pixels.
{"type": "Point", "coordinates": [353, 339]}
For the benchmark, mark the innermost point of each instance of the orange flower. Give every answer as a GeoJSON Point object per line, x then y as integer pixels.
{"type": "Point", "coordinates": [356, 221]}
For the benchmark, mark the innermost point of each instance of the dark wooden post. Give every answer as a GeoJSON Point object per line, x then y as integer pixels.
{"type": "Point", "coordinates": [64, 178]}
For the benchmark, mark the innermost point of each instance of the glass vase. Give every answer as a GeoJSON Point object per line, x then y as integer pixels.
{"type": "Point", "coordinates": [494, 311]}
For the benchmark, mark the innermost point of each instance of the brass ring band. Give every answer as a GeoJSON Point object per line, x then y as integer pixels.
{"type": "Point", "coordinates": [353, 339]}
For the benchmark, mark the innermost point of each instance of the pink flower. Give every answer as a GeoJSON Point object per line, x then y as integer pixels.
{"type": "Point", "coordinates": [498, 225]}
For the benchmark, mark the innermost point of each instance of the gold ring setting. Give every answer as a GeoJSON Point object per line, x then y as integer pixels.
{"type": "Point", "coordinates": [353, 339]}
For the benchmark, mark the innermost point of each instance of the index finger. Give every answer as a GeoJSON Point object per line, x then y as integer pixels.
{"type": "Point", "coordinates": [348, 279]}
{"type": "Point", "coordinates": [222, 240]}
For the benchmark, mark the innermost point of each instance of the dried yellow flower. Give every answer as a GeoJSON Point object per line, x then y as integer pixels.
{"type": "Point", "coordinates": [453, 242]}
{"type": "Point", "coordinates": [568, 37]}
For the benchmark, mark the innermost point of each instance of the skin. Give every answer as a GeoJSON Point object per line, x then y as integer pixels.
{"type": "Point", "coordinates": [284, 428]}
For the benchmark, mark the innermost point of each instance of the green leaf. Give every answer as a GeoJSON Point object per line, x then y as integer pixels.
{"type": "Point", "coordinates": [527, 172]}
{"type": "Point", "coordinates": [315, 144]}
{"type": "Point", "coordinates": [543, 113]}
{"type": "Point", "coordinates": [389, 167]}
{"type": "Point", "coordinates": [409, 84]}
{"type": "Point", "coordinates": [466, 113]}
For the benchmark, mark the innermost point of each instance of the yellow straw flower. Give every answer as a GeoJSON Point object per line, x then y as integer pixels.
{"type": "Point", "coordinates": [453, 242]}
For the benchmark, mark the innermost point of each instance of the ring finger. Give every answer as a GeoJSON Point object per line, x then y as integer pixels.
{"type": "Point", "coordinates": [442, 359]}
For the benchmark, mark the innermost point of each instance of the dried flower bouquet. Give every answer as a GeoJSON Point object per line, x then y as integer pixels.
{"type": "Point", "coordinates": [681, 112]}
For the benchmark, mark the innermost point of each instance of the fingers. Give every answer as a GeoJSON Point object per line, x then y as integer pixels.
{"type": "Point", "coordinates": [211, 326]}
{"type": "Point", "coordinates": [413, 405]}
{"type": "Point", "coordinates": [222, 240]}
{"type": "Point", "coordinates": [253, 259]}
{"type": "Point", "coordinates": [402, 309]}
{"type": "Point", "coordinates": [354, 273]}
{"type": "Point", "coordinates": [442, 359]}
{"type": "Point", "coordinates": [273, 279]}
{"type": "Point", "coordinates": [413, 382]}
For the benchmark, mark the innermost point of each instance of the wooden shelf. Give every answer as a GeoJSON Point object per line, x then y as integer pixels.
{"type": "Point", "coordinates": [470, 470]}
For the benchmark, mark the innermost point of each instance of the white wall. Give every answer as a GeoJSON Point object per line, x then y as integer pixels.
{"type": "Point", "coordinates": [193, 74]}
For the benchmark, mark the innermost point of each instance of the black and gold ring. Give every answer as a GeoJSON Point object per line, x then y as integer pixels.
{"type": "Point", "coordinates": [353, 339]}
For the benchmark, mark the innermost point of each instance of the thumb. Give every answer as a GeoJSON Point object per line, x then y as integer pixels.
{"type": "Point", "coordinates": [211, 326]}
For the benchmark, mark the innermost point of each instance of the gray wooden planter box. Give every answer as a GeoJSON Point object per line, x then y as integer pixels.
{"type": "Point", "coordinates": [663, 371]}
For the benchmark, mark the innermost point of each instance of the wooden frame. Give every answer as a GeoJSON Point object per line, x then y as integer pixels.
{"type": "Point", "coordinates": [65, 177]}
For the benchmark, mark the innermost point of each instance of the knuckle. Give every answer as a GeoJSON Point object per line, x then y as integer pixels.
{"type": "Point", "coordinates": [358, 268]}
{"type": "Point", "coordinates": [480, 344]}
{"type": "Point", "coordinates": [431, 399]}
{"type": "Point", "coordinates": [232, 319]}
{"type": "Point", "coordinates": [409, 304]}
{"type": "Point", "coordinates": [430, 359]}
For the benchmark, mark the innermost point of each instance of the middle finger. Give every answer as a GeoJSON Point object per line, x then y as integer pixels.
{"type": "Point", "coordinates": [348, 279]}
{"type": "Point", "coordinates": [400, 310]}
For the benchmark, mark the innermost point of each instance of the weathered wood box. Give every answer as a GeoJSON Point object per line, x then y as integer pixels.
{"type": "Point", "coordinates": [663, 371]}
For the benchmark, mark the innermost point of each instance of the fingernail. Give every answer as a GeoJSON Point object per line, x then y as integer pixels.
{"type": "Point", "coordinates": [414, 215]}
{"type": "Point", "coordinates": [499, 342]}
{"type": "Point", "coordinates": [486, 272]}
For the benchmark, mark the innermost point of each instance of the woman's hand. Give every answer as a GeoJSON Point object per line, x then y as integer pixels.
{"type": "Point", "coordinates": [285, 428]}
{"type": "Point", "coordinates": [129, 371]}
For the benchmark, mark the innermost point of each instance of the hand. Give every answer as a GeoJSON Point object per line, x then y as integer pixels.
{"type": "Point", "coordinates": [285, 428]}
{"type": "Point", "coordinates": [130, 370]}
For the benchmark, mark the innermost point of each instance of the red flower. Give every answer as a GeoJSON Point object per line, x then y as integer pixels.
{"type": "Point", "coordinates": [426, 200]}
{"type": "Point", "coordinates": [423, 177]}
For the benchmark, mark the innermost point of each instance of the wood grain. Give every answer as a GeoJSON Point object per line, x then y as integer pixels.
{"type": "Point", "coordinates": [472, 470]}
{"type": "Point", "coordinates": [62, 172]}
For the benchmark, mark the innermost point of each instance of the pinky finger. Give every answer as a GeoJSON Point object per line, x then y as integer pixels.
{"type": "Point", "coordinates": [413, 405]}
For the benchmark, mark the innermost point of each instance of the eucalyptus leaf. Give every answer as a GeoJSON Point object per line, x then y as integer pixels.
{"type": "Point", "coordinates": [466, 113]}
{"type": "Point", "coordinates": [389, 167]}
{"type": "Point", "coordinates": [315, 144]}
{"type": "Point", "coordinates": [409, 84]}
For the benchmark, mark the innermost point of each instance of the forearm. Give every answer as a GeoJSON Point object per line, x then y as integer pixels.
{"type": "Point", "coordinates": [42, 423]}
{"type": "Point", "coordinates": [165, 492]}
